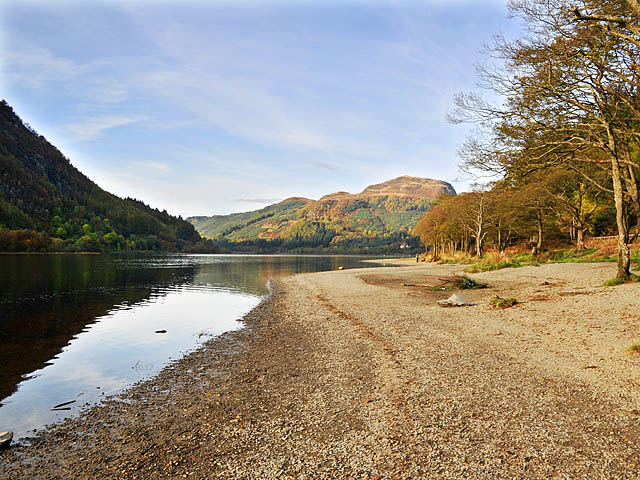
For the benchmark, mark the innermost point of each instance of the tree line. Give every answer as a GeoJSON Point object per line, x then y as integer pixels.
{"type": "Point", "coordinates": [563, 141]}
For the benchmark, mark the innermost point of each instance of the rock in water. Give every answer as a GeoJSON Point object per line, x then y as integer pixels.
{"type": "Point", "coordinates": [5, 439]}
{"type": "Point", "coordinates": [455, 300]}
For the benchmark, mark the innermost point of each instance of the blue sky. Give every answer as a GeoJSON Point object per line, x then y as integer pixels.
{"type": "Point", "coordinates": [205, 107]}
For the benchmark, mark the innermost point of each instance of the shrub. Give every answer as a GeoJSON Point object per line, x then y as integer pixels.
{"type": "Point", "coordinates": [466, 283]}
{"type": "Point", "coordinates": [635, 348]}
{"type": "Point", "coordinates": [618, 281]}
{"type": "Point", "coordinates": [499, 302]}
{"type": "Point", "coordinates": [461, 283]}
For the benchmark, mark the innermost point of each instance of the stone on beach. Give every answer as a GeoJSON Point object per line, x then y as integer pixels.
{"type": "Point", "coordinates": [5, 439]}
{"type": "Point", "coordinates": [455, 300]}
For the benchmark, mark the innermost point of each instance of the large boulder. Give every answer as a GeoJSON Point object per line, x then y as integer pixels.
{"type": "Point", "coordinates": [5, 439]}
{"type": "Point", "coordinates": [455, 300]}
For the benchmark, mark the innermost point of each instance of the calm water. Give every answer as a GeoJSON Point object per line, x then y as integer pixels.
{"type": "Point", "coordinates": [79, 327]}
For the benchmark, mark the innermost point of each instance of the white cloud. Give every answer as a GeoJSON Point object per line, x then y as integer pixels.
{"type": "Point", "coordinates": [275, 100]}
{"type": "Point", "coordinates": [246, 108]}
{"type": "Point", "coordinates": [264, 201]}
{"type": "Point", "coordinates": [38, 66]}
{"type": "Point", "coordinates": [97, 81]}
{"type": "Point", "coordinates": [326, 166]}
{"type": "Point", "coordinates": [93, 127]}
{"type": "Point", "coordinates": [157, 166]}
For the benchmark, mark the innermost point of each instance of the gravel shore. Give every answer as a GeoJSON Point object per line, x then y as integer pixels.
{"type": "Point", "coordinates": [359, 374]}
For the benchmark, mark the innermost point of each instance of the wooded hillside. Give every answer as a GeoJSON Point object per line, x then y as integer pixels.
{"type": "Point", "coordinates": [46, 204]}
{"type": "Point", "coordinates": [378, 220]}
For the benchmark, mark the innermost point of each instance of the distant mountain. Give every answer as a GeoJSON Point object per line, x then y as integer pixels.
{"type": "Point", "coordinates": [46, 204]}
{"type": "Point", "coordinates": [412, 187]}
{"type": "Point", "coordinates": [379, 219]}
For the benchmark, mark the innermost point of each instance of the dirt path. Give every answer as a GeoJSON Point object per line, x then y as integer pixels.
{"type": "Point", "coordinates": [351, 374]}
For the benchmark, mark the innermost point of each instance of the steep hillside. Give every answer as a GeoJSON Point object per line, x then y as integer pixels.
{"type": "Point", "coordinates": [240, 225]}
{"type": "Point", "coordinates": [47, 204]}
{"type": "Point", "coordinates": [377, 220]}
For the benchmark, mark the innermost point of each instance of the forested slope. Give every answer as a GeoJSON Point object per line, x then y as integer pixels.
{"type": "Point", "coordinates": [46, 204]}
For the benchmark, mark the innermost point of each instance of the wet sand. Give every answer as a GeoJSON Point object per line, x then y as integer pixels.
{"type": "Point", "coordinates": [353, 374]}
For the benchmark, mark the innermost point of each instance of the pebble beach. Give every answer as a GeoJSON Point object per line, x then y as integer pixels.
{"type": "Point", "coordinates": [360, 374]}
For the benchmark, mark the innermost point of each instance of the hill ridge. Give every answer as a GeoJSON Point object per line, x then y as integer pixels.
{"type": "Point", "coordinates": [378, 219]}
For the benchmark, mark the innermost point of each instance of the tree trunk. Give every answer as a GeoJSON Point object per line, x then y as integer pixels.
{"type": "Point", "coordinates": [635, 197]}
{"type": "Point", "coordinates": [580, 237]}
{"type": "Point", "coordinates": [624, 256]}
{"type": "Point", "coordinates": [631, 184]}
{"type": "Point", "coordinates": [539, 222]}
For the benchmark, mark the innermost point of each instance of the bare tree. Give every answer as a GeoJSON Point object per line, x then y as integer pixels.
{"type": "Point", "coordinates": [477, 218]}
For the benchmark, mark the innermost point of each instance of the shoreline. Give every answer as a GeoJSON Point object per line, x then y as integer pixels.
{"type": "Point", "coordinates": [393, 261]}
{"type": "Point", "coordinates": [352, 373]}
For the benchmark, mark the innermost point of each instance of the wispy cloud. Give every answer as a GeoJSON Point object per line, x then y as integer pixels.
{"type": "Point", "coordinates": [41, 69]}
{"type": "Point", "coordinates": [263, 89]}
{"type": "Point", "coordinates": [93, 127]}
{"type": "Point", "coordinates": [38, 66]}
{"type": "Point", "coordinates": [326, 166]}
{"type": "Point", "coordinates": [157, 166]}
{"type": "Point", "coordinates": [248, 109]}
{"type": "Point", "coordinates": [257, 200]}
{"type": "Point", "coordinates": [242, 98]}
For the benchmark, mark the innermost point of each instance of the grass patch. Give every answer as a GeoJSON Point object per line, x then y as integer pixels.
{"type": "Point", "coordinates": [573, 255]}
{"type": "Point", "coordinates": [462, 283]}
{"type": "Point", "coordinates": [617, 281]}
{"type": "Point", "coordinates": [499, 302]}
{"type": "Point", "coordinates": [635, 348]}
{"type": "Point", "coordinates": [458, 258]}
{"type": "Point", "coordinates": [453, 261]}
{"type": "Point", "coordinates": [488, 267]}
{"type": "Point", "coordinates": [494, 261]}
{"type": "Point", "coordinates": [613, 282]}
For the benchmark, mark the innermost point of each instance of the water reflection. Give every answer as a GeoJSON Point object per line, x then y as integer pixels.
{"type": "Point", "coordinates": [250, 273]}
{"type": "Point", "coordinates": [77, 327]}
{"type": "Point", "coordinates": [46, 300]}
{"type": "Point", "coordinates": [121, 348]}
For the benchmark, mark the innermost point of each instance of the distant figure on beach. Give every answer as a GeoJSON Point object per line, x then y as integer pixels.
{"type": "Point", "coordinates": [417, 257]}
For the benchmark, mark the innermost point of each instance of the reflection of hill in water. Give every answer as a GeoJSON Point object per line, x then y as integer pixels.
{"type": "Point", "coordinates": [47, 300]}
